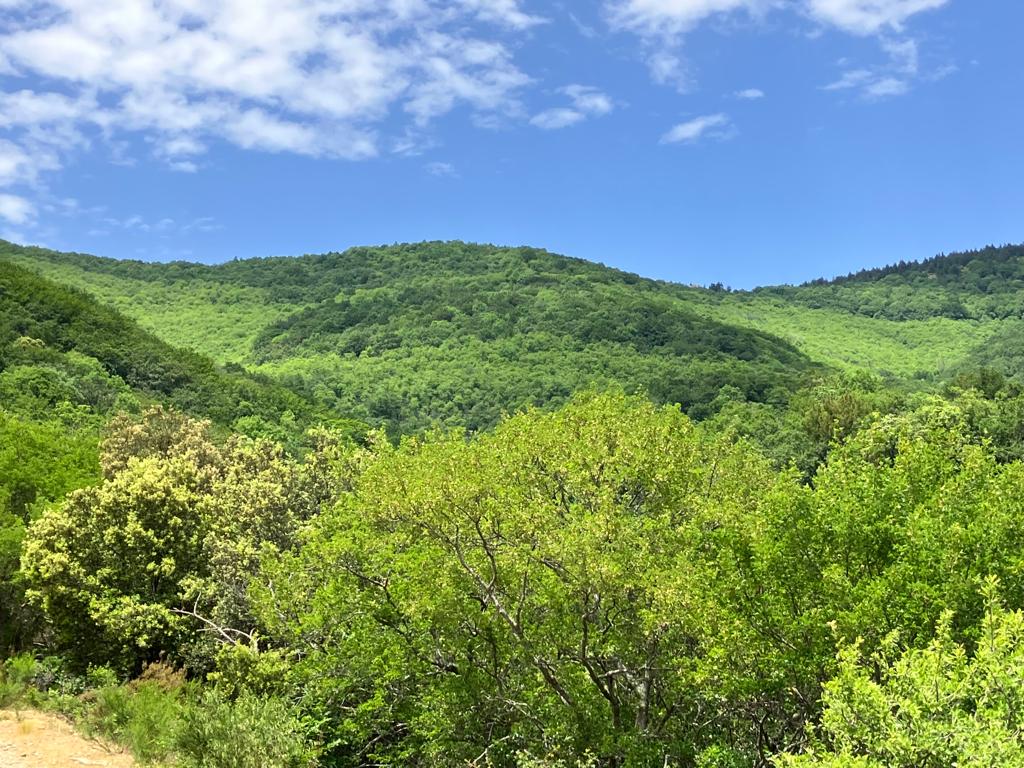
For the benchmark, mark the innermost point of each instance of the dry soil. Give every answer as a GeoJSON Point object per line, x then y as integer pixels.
{"type": "Point", "coordinates": [39, 740]}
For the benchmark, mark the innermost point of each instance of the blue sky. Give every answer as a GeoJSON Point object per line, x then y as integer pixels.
{"type": "Point", "coordinates": [743, 141]}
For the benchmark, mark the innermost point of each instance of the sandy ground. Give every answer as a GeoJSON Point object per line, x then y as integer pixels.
{"type": "Point", "coordinates": [40, 740]}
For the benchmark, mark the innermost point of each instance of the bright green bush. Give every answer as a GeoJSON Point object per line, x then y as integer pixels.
{"type": "Point", "coordinates": [144, 718]}
{"type": "Point", "coordinates": [248, 732]}
{"type": "Point", "coordinates": [944, 704]}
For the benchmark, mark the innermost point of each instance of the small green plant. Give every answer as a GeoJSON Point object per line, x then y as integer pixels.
{"type": "Point", "coordinates": [16, 676]}
{"type": "Point", "coordinates": [249, 732]}
{"type": "Point", "coordinates": [143, 716]}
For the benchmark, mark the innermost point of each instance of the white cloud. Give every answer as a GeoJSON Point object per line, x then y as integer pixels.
{"type": "Point", "coordinates": [750, 94]}
{"type": "Point", "coordinates": [867, 17]}
{"type": "Point", "coordinates": [16, 210]}
{"type": "Point", "coordinates": [717, 126]}
{"type": "Point", "coordinates": [887, 86]}
{"type": "Point", "coordinates": [668, 18]}
{"type": "Point", "coordinates": [27, 108]}
{"type": "Point", "coordinates": [894, 78]}
{"type": "Point", "coordinates": [853, 78]}
{"type": "Point", "coordinates": [586, 101]}
{"type": "Point", "coordinates": [667, 68]}
{"type": "Point", "coordinates": [557, 117]}
{"type": "Point", "coordinates": [505, 12]}
{"type": "Point", "coordinates": [324, 78]}
{"type": "Point", "coordinates": [661, 25]}
{"type": "Point", "coordinates": [22, 164]}
{"type": "Point", "coordinates": [183, 166]}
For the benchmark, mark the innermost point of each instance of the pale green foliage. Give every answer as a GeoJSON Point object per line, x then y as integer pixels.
{"type": "Point", "coordinates": [256, 502]}
{"type": "Point", "coordinates": [931, 707]}
{"type": "Point", "coordinates": [123, 570]}
{"type": "Point", "coordinates": [161, 434]}
{"type": "Point", "coordinates": [106, 565]}
{"type": "Point", "coordinates": [248, 732]}
{"type": "Point", "coordinates": [523, 590]}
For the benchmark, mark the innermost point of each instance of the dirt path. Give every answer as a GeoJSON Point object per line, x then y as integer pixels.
{"type": "Point", "coordinates": [40, 740]}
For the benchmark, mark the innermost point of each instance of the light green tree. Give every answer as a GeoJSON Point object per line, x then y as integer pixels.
{"type": "Point", "coordinates": [942, 705]}
{"type": "Point", "coordinates": [157, 558]}
{"type": "Point", "coordinates": [526, 590]}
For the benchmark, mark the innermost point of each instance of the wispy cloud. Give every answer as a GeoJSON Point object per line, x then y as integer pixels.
{"type": "Point", "coordinates": [585, 101]}
{"type": "Point", "coordinates": [750, 94]}
{"type": "Point", "coordinates": [164, 226]}
{"type": "Point", "coordinates": [322, 79]}
{"type": "Point", "coordinates": [586, 30]}
{"type": "Point", "coordinates": [852, 78]}
{"type": "Point", "coordinates": [668, 18]}
{"type": "Point", "coordinates": [717, 126]}
{"type": "Point", "coordinates": [894, 77]}
{"type": "Point", "coordinates": [438, 168]}
{"type": "Point", "coordinates": [868, 17]}
{"type": "Point", "coordinates": [887, 86]}
{"type": "Point", "coordinates": [661, 25]}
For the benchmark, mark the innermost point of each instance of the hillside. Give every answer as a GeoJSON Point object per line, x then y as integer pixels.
{"type": "Point", "coordinates": [565, 588]}
{"type": "Point", "coordinates": [978, 285]}
{"type": "Point", "coordinates": [61, 349]}
{"type": "Point", "coordinates": [441, 332]}
{"type": "Point", "coordinates": [453, 333]}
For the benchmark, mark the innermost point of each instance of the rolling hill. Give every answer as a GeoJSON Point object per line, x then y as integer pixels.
{"type": "Point", "coordinates": [453, 333]}
{"type": "Point", "coordinates": [61, 348]}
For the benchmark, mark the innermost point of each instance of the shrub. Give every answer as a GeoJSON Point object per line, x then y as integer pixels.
{"type": "Point", "coordinates": [249, 732]}
{"type": "Point", "coordinates": [16, 675]}
{"type": "Point", "coordinates": [143, 716]}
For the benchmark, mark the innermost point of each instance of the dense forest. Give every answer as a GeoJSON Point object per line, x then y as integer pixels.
{"type": "Point", "coordinates": [448, 333]}
{"type": "Point", "coordinates": [981, 284]}
{"type": "Point", "coordinates": [448, 504]}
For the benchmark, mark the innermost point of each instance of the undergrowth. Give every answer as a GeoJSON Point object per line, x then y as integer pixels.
{"type": "Point", "coordinates": [162, 719]}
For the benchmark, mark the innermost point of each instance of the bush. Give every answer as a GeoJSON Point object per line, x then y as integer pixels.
{"type": "Point", "coordinates": [16, 676]}
{"type": "Point", "coordinates": [144, 717]}
{"type": "Point", "coordinates": [249, 732]}
{"type": "Point", "coordinates": [941, 705]}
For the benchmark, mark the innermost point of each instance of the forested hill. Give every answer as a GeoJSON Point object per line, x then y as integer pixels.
{"type": "Point", "coordinates": [446, 333]}
{"type": "Point", "coordinates": [600, 582]}
{"type": "Point", "coordinates": [454, 333]}
{"type": "Point", "coordinates": [61, 349]}
{"type": "Point", "coordinates": [978, 285]}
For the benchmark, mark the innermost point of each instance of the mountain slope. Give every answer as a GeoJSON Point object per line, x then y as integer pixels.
{"type": "Point", "coordinates": [411, 335]}
{"type": "Point", "coordinates": [60, 348]}
{"type": "Point", "coordinates": [983, 284]}
{"type": "Point", "coordinates": [441, 332]}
